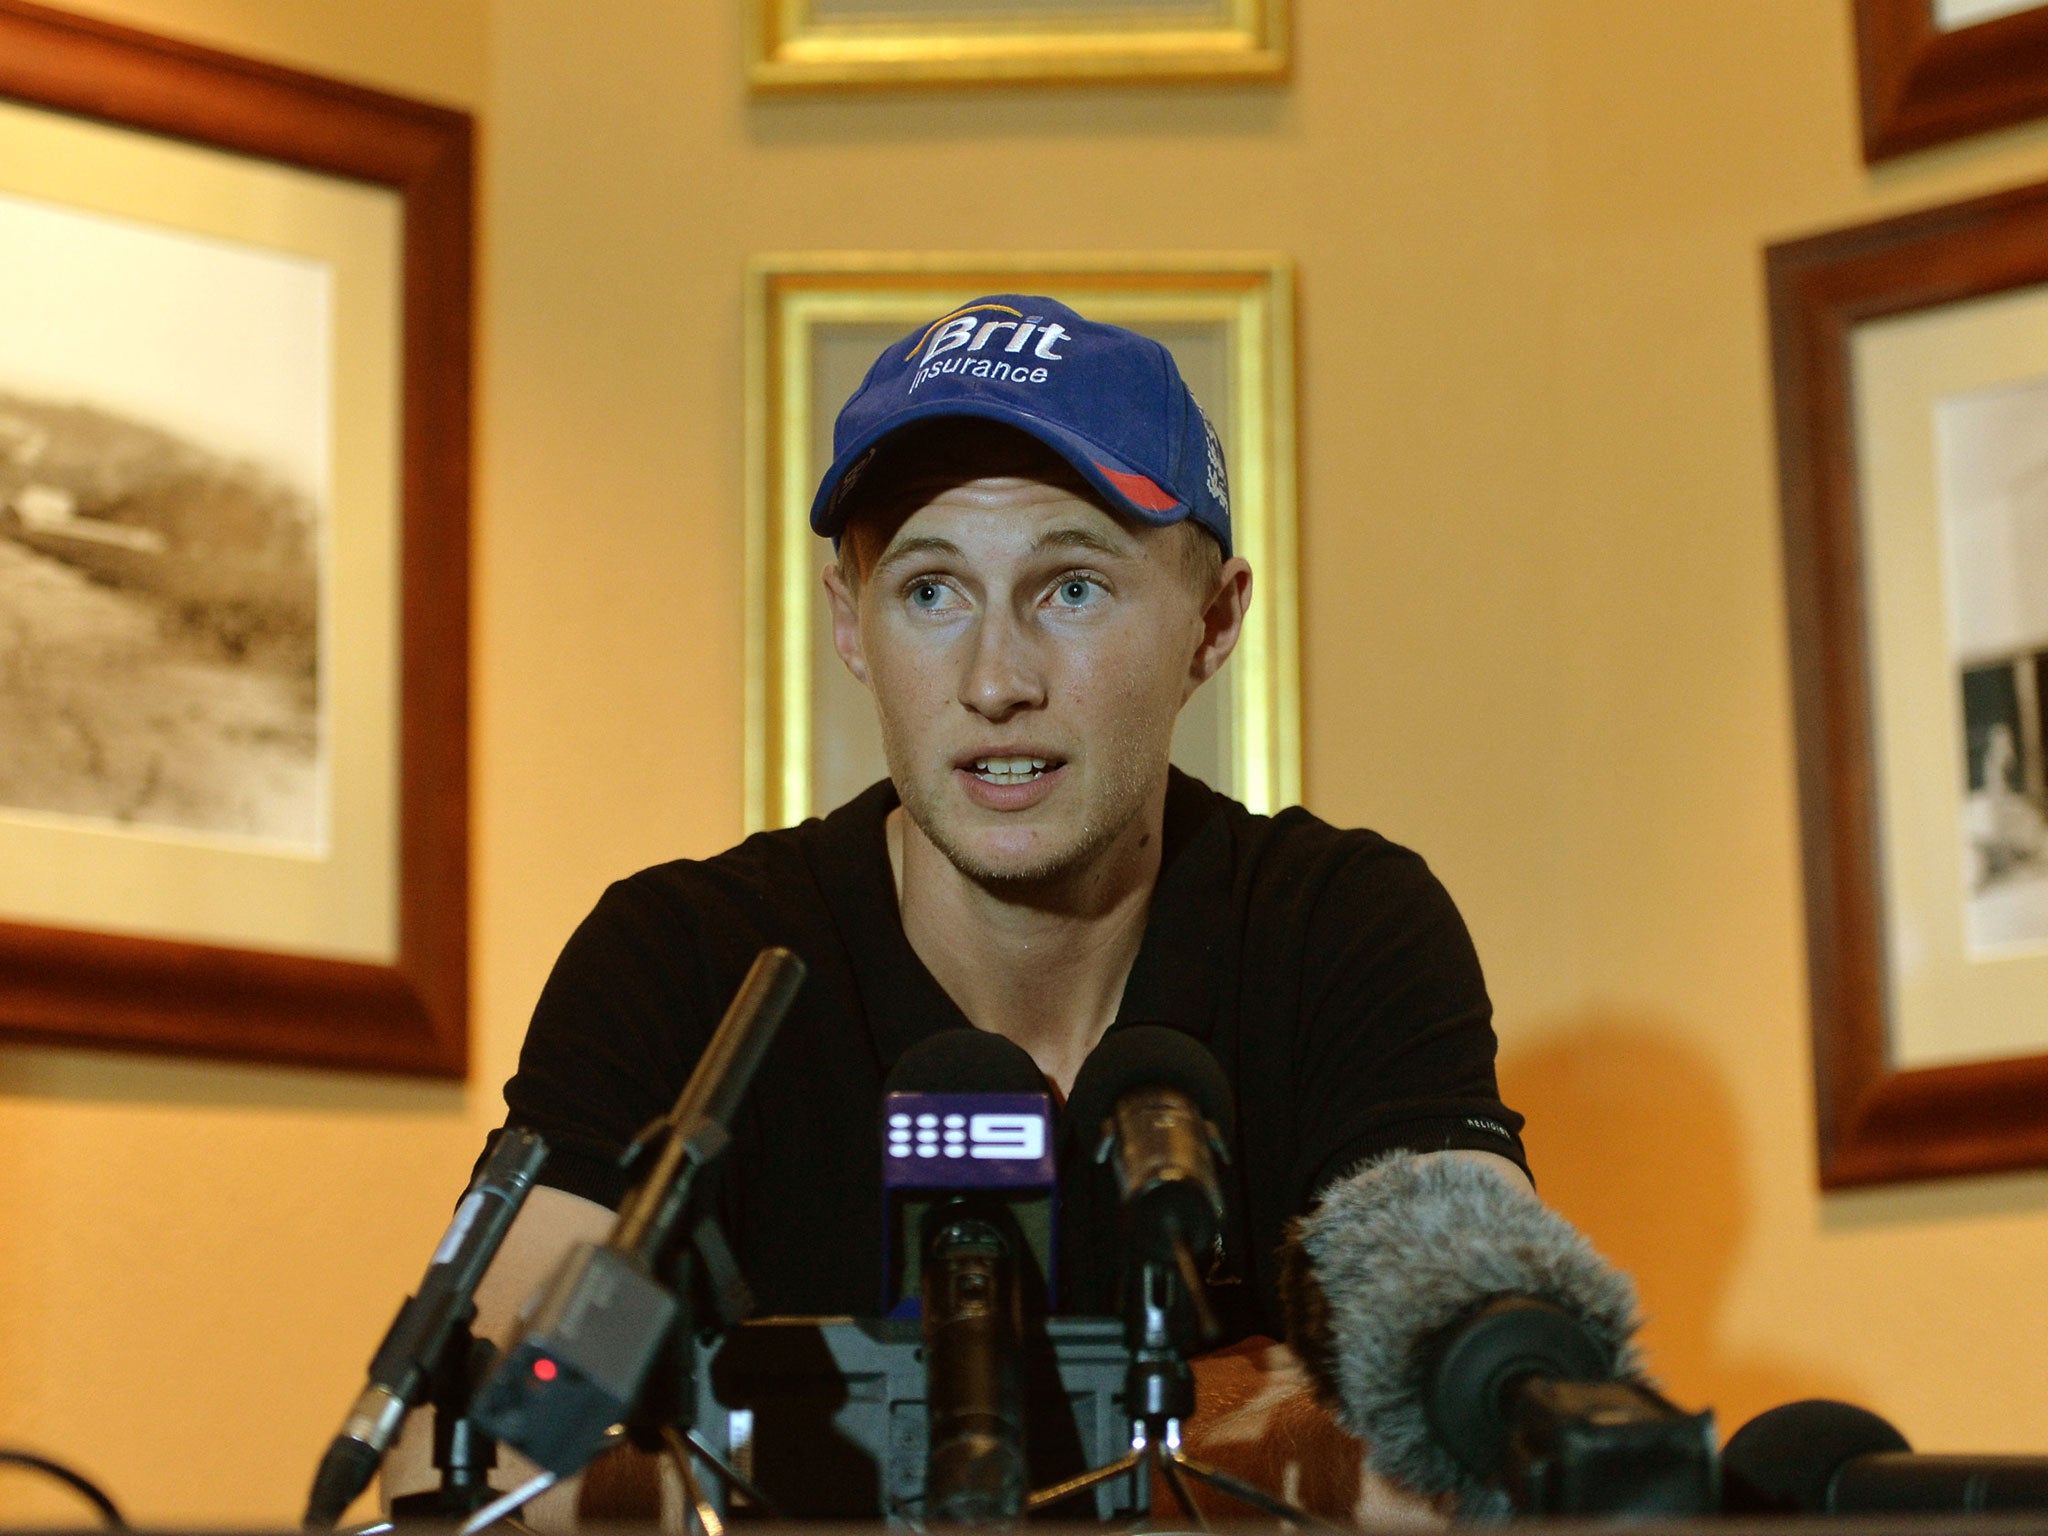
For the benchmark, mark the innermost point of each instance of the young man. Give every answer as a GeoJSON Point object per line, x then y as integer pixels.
{"type": "Point", "coordinates": [1034, 574]}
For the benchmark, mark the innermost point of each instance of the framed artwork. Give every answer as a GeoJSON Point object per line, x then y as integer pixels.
{"type": "Point", "coordinates": [815, 323]}
{"type": "Point", "coordinates": [1935, 70]}
{"type": "Point", "coordinates": [234, 493]}
{"type": "Point", "coordinates": [1911, 364]}
{"type": "Point", "coordinates": [807, 44]}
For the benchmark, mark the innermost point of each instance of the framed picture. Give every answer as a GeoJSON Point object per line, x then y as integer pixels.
{"type": "Point", "coordinates": [1912, 394]}
{"type": "Point", "coordinates": [816, 322]}
{"type": "Point", "coordinates": [806, 44]}
{"type": "Point", "coordinates": [234, 490]}
{"type": "Point", "coordinates": [1935, 70]}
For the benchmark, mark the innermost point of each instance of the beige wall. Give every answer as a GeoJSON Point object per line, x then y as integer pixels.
{"type": "Point", "coordinates": [1543, 642]}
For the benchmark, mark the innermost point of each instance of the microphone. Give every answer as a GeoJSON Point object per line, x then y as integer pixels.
{"type": "Point", "coordinates": [1818, 1457]}
{"type": "Point", "coordinates": [416, 1347]}
{"type": "Point", "coordinates": [967, 1172]}
{"type": "Point", "coordinates": [1154, 1106]}
{"type": "Point", "coordinates": [589, 1337]}
{"type": "Point", "coordinates": [1477, 1344]}
{"type": "Point", "coordinates": [964, 1110]}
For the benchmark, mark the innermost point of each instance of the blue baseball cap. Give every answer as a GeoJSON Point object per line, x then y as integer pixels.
{"type": "Point", "coordinates": [1107, 400]}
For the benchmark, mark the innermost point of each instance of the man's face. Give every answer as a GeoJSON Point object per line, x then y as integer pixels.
{"type": "Point", "coordinates": [1028, 654]}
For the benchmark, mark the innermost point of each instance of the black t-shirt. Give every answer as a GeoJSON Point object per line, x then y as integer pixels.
{"type": "Point", "coordinates": [1326, 970]}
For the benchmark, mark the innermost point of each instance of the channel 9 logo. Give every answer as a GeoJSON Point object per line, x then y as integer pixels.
{"type": "Point", "coordinates": [1006, 1137]}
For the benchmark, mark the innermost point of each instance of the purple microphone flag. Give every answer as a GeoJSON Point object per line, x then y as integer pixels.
{"type": "Point", "coordinates": [938, 1147]}
{"type": "Point", "coordinates": [967, 1141]}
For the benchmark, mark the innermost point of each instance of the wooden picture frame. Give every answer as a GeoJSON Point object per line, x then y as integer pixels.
{"type": "Point", "coordinates": [1844, 306]}
{"type": "Point", "coordinates": [814, 323]}
{"type": "Point", "coordinates": [407, 1013]}
{"type": "Point", "coordinates": [804, 45]}
{"type": "Point", "coordinates": [1924, 83]}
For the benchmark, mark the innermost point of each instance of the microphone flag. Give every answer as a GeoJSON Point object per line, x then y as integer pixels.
{"type": "Point", "coordinates": [937, 1146]}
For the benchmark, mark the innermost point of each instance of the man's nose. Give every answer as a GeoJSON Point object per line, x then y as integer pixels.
{"type": "Point", "coordinates": [1002, 675]}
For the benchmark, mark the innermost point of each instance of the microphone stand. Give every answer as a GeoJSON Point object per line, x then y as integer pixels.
{"type": "Point", "coordinates": [665, 1418]}
{"type": "Point", "coordinates": [611, 1338]}
{"type": "Point", "coordinates": [1165, 1106]}
{"type": "Point", "coordinates": [663, 1421]}
{"type": "Point", "coordinates": [428, 1350]}
{"type": "Point", "coordinates": [1159, 1388]}
{"type": "Point", "coordinates": [464, 1454]}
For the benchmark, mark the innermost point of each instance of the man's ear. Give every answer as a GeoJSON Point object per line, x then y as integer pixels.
{"type": "Point", "coordinates": [845, 623]}
{"type": "Point", "coordinates": [1222, 621]}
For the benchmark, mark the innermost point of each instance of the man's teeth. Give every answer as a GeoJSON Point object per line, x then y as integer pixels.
{"type": "Point", "coordinates": [1008, 770]}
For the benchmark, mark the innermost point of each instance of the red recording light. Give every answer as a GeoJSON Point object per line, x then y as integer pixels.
{"type": "Point", "coordinates": [544, 1369]}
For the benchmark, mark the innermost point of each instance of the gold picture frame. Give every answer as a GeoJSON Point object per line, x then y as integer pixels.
{"type": "Point", "coordinates": [812, 44]}
{"type": "Point", "coordinates": [815, 321]}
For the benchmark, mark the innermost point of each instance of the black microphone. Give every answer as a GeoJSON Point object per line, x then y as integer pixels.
{"type": "Point", "coordinates": [416, 1347]}
{"type": "Point", "coordinates": [1476, 1343]}
{"type": "Point", "coordinates": [1152, 1105]}
{"type": "Point", "coordinates": [589, 1337]}
{"type": "Point", "coordinates": [967, 1150]}
{"type": "Point", "coordinates": [1818, 1457]}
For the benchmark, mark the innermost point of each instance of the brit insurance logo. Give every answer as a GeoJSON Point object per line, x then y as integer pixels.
{"type": "Point", "coordinates": [1000, 1137]}
{"type": "Point", "coordinates": [988, 341]}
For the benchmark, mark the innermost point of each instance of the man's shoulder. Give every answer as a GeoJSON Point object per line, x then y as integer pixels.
{"type": "Point", "coordinates": [1291, 850]}
{"type": "Point", "coordinates": [768, 884]}
{"type": "Point", "coordinates": [825, 847]}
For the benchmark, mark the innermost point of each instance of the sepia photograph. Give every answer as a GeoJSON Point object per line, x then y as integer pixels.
{"type": "Point", "coordinates": [1994, 501]}
{"type": "Point", "coordinates": [163, 461]}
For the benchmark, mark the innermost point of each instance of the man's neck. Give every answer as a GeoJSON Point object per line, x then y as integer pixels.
{"type": "Point", "coordinates": [1046, 969]}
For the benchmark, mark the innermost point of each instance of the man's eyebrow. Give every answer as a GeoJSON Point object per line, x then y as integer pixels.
{"type": "Point", "coordinates": [1080, 538]}
{"type": "Point", "coordinates": [1072, 537]}
{"type": "Point", "coordinates": [918, 544]}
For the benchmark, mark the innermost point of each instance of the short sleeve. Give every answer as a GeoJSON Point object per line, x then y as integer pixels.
{"type": "Point", "coordinates": [1397, 1044]}
{"type": "Point", "coordinates": [624, 1015]}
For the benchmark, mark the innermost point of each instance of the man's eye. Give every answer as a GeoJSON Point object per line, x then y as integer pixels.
{"type": "Point", "coordinates": [1077, 591]}
{"type": "Point", "coordinates": [926, 594]}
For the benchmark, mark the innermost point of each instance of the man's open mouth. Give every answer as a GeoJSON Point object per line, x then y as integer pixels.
{"type": "Point", "coordinates": [1010, 770]}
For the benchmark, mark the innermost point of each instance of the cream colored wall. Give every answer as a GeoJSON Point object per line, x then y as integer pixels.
{"type": "Point", "coordinates": [1543, 642]}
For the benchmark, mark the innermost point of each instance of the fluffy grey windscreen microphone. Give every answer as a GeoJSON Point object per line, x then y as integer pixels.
{"type": "Point", "coordinates": [1400, 1251]}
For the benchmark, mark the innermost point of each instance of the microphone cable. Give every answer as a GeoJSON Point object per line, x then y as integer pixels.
{"type": "Point", "coordinates": [78, 1482]}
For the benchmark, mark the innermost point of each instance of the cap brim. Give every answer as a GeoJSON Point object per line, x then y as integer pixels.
{"type": "Point", "coordinates": [1139, 496]}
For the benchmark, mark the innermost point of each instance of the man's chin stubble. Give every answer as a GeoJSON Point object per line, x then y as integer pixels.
{"type": "Point", "coordinates": [1017, 881]}
{"type": "Point", "coordinates": [1031, 880]}
{"type": "Point", "coordinates": [1039, 880]}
